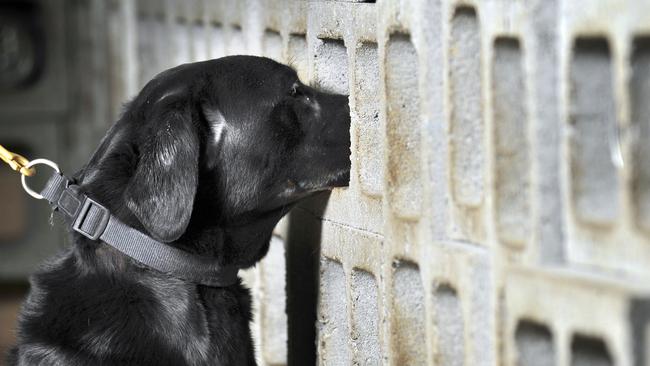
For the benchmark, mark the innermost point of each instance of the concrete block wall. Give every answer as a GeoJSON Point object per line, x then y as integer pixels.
{"type": "Point", "coordinates": [499, 205]}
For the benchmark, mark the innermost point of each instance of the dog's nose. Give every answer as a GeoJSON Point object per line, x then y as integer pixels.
{"type": "Point", "coordinates": [343, 109]}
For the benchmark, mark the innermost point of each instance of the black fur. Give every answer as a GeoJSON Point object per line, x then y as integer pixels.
{"type": "Point", "coordinates": [163, 170]}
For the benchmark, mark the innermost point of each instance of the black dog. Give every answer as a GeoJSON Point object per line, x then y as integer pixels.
{"type": "Point", "coordinates": [207, 158]}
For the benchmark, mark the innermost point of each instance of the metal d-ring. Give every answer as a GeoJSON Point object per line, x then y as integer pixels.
{"type": "Point", "coordinates": [49, 163]}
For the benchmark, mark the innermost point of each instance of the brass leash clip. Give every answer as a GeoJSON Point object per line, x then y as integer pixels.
{"type": "Point", "coordinates": [16, 162]}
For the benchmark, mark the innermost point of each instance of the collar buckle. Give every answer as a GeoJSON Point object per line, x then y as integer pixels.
{"type": "Point", "coordinates": [92, 219]}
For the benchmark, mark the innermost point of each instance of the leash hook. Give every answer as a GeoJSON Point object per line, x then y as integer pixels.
{"type": "Point", "coordinates": [49, 163]}
{"type": "Point", "coordinates": [17, 162]}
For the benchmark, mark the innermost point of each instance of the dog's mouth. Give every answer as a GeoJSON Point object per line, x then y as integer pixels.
{"type": "Point", "coordinates": [338, 179]}
{"type": "Point", "coordinates": [294, 191]}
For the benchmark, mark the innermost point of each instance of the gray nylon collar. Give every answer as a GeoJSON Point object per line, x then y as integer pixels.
{"type": "Point", "coordinates": [95, 222]}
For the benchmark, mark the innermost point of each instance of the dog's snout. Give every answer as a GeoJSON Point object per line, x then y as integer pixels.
{"type": "Point", "coordinates": [337, 118]}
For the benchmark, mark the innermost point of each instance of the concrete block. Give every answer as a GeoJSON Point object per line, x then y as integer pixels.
{"type": "Point", "coordinates": [594, 176]}
{"type": "Point", "coordinates": [273, 13]}
{"type": "Point", "coordinates": [331, 66]}
{"type": "Point", "coordinates": [333, 332]}
{"type": "Point", "coordinates": [122, 47]}
{"type": "Point", "coordinates": [461, 291]}
{"type": "Point", "coordinates": [449, 324]}
{"type": "Point", "coordinates": [217, 47]}
{"type": "Point", "coordinates": [534, 343]}
{"type": "Point", "coordinates": [465, 87]}
{"type": "Point", "coordinates": [408, 334]}
{"type": "Point", "coordinates": [366, 347]}
{"type": "Point", "coordinates": [402, 131]}
{"type": "Point", "coordinates": [295, 16]}
{"type": "Point", "coordinates": [297, 55]}
{"type": "Point", "coordinates": [586, 317]}
{"type": "Point", "coordinates": [640, 336]}
{"type": "Point", "coordinates": [370, 141]}
{"type": "Point", "coordinates": [589, 351]}
{"type": "Point", "coordinates": [336, 37]}
{"type": "Point", "coordinates": [466, 130]}
{"type": "Point", "coordinates": [146, 50]}
{"type": "Point", "coordinates": [601, 177]}
{"type": "Point", "coordinates": [639, 89]}
{"type": "Point", "coordinates": [474, 124]}
{"type": "Point", "coordinates": [200, 41]}
{"type": "Point", "coordinates": [273, 45]}
{"type": "Point", "coordinates": [547, 125]}
{"type": "Point", "coordinates": [236, 41]}
{"type": "Point", "coordinates": [272, 304]}
{"type": "Point", "coordinates": [356, 249]}
{"type": "Point", "coordinates": [510, 119]}
{"type": "Point", "coordinates": [181, 41]}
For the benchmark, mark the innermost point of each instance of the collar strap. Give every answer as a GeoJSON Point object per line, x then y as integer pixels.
{"type": "Point", "coordinates": [95, 222]}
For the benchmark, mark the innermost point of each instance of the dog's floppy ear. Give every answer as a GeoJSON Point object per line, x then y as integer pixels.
{"type": "Point", "coordinates": [162, 189]}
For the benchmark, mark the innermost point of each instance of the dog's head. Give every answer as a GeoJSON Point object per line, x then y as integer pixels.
{"type": "Point", "coordinates": [240, 135]}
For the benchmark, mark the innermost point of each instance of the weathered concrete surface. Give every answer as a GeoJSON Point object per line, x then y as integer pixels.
{"type": "Point", "coordinates": [498, 211]}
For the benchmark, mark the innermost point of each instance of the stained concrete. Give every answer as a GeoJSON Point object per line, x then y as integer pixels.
{"type": "Point", "coordinates": [402, 121]}
{"type": "Point", "coordinates": [408, 309]}
{"type": "Point", "coordinates": [450, 327]}
{"type": "Point", "coordinates": [366, 345]}
{"type": "Point", "coordinates": [333, 329]}
{"type": "Point", "coordinates": [497, 151]}
{"type": "Point", "coordinates": [465, 82]}
{"type": "Point", "coordinates": [512, 181]}
{"type": "Point", "coordinates": [534, 344]}
{"type": "Point", "coordinates": [593, 119]}
{"type": "Point", "coordinates": [370, 137]}
{"type": "Point", "coordinates": [639, 86]}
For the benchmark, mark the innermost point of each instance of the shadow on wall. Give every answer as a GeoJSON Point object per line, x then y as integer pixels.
{"type": "Point", "coordinates": [303, 255]}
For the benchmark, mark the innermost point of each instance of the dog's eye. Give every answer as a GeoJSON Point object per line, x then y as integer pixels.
{"type": "Point", "coordinates": [295, 90]}
{"type": "Point", "coordinates": [298, 92]}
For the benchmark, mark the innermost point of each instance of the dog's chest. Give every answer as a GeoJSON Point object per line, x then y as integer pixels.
{"type": "Point", "coordinates": [148, 320]}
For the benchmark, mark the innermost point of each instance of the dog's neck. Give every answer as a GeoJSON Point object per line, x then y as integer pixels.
{"type": "Point", "coordinates": [241, 242]}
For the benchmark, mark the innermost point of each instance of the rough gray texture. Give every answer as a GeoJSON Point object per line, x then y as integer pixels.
{"type": "Point", "coordinates": [466, 108]}
{"type": "Point", "coordinates": [408, 334]}
{"type": "Point", "coordinates": [640, 105]}
{"type": "Point", "coordinates": [365, 319]}
{"type": "Point", "coordinates": [200, 43]}
{"type": "Point", "coordinates": [181, 34]}
{"type": "Point", "coordinates": [331, 66]}
{"type": "Point", "coordinates": [216, 44]}
{"type": "Point", "coordinates": [273, 45]}
{"type": "Point", "coordinates": [449, 327]}
{"type": "Point", "coordinates": [333, 321]}
{"type": "Point", "coordinates": [547, 126]}
{"type": "Point", "coordinates": [147, 28]}
{"type": "Point", "coordinates": [297, 55]}
{"type": "Point", "coordinates": [370, 138]}
{"type": "Point", "coordinates": [402, 131]}
{"type": "Point", "coordinates": [236, 41]}
{"type": "Point", "coordinates": [272, 300]}
{"type": "Point", "coordinates": [511, 143]}
{"type": "Point", "coordinates": [534, 345]}
{"type": "Point", "coordinates": [481, 303]}
{"type": "Point", "coordinates": [593, 117]}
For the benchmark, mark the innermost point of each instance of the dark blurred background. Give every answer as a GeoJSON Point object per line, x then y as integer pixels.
{"type": "Point", "coordinates": [56, 89]}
